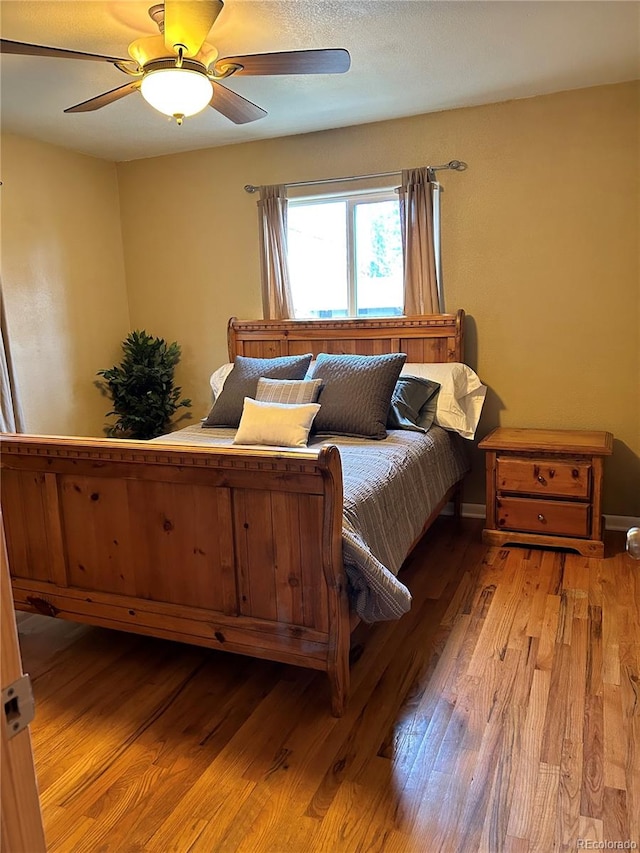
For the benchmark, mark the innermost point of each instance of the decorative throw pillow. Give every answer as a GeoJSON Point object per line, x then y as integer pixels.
{"type": "Point", "coordinates": [461, 396]}
{"type": "Point", "coordinates": [356, 393]}
{"type": "Point", "coordinates": [276, 424]}
{"type": "Point", "coordinates": [413, 404]}
{"type": "Point", "coordinates": [288, 390]}
{"type": "Point", "coordinates": [242, 382]}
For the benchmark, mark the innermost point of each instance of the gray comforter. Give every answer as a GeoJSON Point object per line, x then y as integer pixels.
{"type": "Point", "coordinates": [390, 488]}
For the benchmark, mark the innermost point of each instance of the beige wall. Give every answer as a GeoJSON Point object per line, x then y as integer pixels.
{"type": "Point", "coordinates": [540, 248]}
{"type": "Point", "coordinates": [63, 281]}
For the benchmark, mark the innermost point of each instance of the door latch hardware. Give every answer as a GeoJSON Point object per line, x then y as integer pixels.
{"type": "Point", "coordinates": [18, 705]}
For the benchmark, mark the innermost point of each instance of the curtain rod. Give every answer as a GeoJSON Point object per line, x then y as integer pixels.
{"type": "Point", "coordinates": [455, 165]}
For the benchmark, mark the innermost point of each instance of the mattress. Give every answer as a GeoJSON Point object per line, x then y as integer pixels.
{"type": "Point", "coordinates": [390, 489]}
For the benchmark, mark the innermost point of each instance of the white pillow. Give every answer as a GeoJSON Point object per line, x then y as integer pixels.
{"type": "Point", "coordinates": [276, 424]}
{"type": "Point", "coordinates": [218, 377]}
{"type": "Point", "coordinates": [461, 395]}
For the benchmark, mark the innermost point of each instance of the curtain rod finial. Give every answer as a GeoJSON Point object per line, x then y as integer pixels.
{"type": "Point", "coordinates": [458, 165]}
{"type": "Point", "coordinates": [249, 188]}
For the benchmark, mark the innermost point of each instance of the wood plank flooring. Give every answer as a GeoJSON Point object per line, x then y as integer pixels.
{"type": "Point", "coordinates": [501, 714]}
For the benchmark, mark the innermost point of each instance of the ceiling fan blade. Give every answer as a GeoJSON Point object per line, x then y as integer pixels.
{"type": "Point", "coordinates": [24, 49]}
{"type": "Point", "coordinates": [187, 22]}
{"type": "Point", "coordinates": [236, 108]}
{"type": "Point", "coordinates": [330, 61]}
{"type": "Point", "coordinates": [105, 98]}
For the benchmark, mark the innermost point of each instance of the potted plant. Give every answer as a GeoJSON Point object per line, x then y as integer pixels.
{"type": "Point", "coordinates": [142, 387]}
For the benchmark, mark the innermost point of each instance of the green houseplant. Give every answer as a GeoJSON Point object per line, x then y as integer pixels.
{"type": "Point", "coordinates": [142, 387]}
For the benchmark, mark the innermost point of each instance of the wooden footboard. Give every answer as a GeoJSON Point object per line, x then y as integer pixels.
{"type": "Point", "coordinates": [224, 548]}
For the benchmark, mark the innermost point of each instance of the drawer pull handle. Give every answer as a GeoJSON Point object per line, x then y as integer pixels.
{"type": "Point", "coordinates": [542, 480]}
{"type": "Point", "coordinates": [541, 518]}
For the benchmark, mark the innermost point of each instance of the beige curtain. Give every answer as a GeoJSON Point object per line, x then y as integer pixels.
{"type": "Point", "coordinates": [11, 418]}
{"type": "Point", "coordinates": [419, 198]}
{"type": "Point", "coordinates": [277, 303]}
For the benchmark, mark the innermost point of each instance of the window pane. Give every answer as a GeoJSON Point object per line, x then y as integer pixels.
{"type": "Point", "coordinates": [378, 247]}
{"type": "Point", "coordinates": [318, 259]}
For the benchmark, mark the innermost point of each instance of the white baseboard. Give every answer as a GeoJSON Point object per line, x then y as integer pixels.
{"type": "Point", "coordinates": [474, 510]}
{"type": "Point", "coordinates": [621, 522]}
{"type": "Point", "coordinates": [468, 510]}
{"type": "Point", "coordinates": [611, 522]}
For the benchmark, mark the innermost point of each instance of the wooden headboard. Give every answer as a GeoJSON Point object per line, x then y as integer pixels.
{"type": "Point", "coordinates": [426, 338]}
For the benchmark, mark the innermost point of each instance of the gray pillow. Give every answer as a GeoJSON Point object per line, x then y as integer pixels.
{"type": "Point", "coordinates": [243, 382]}
{"type": "Point", "coordinates": [356, 393]}
{"type": "Point", "coordinates": [413, 404]}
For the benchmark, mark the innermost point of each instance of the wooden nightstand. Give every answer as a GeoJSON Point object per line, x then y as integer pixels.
{"type": "Point", "coordinates": [544, 487]}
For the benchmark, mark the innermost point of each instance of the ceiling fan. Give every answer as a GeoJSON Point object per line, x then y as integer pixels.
{"type": "Point", "coordinates": [178, 71]}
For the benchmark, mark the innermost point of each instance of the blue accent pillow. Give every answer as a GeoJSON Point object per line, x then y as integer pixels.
{"type": "Point", "coordinates": [413, 404]}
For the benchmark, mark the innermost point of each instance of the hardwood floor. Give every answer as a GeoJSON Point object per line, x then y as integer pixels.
{"type": "Point", "coordinates": [501, 714]}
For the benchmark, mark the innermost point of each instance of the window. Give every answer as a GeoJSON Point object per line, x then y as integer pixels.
{"type": "Point", "coordinates": [345, 256]}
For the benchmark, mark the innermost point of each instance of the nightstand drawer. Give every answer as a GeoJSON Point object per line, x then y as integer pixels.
{"type": "Point", "coordinates": [557, 518]}
{"type": "Point", "coordinates": [557, 477]}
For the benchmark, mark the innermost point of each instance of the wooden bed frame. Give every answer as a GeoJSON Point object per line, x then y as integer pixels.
{"type": "Point", "coordinates": [226, 548]}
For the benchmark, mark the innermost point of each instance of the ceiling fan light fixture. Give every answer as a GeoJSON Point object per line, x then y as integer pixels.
{"type": "Point", "coordinates": [177, 92]}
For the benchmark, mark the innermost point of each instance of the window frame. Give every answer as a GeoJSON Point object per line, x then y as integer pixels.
{"type": "Point", "coordinates": [352, 200]}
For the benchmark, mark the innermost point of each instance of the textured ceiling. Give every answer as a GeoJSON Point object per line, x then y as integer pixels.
{"type": "Point", "coordinates": [408, 57]}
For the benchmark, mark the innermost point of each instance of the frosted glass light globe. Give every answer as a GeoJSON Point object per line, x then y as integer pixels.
{"type": "Point", "coordinates": [177, 91]}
